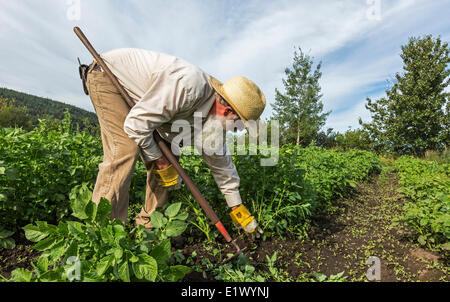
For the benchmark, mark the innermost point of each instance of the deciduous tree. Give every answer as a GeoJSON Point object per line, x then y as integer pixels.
{"type": "Point", "coordinates": [300, 109]}
{"type": "Point", "coordinates": [414, 116]}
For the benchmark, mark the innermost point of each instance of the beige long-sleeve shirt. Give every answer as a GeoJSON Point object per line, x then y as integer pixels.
{"type": "Point", "coordinates": [166, 89]}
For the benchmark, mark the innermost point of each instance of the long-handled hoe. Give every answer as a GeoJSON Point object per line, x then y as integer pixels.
{"type": "Point", "coordinates": [166, 151]}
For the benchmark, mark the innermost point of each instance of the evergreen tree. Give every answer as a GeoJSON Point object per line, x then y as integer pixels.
{"type": "Point", "coordinates": [414, 117]}
{"type": "Point", "coordinates": [299, 110]}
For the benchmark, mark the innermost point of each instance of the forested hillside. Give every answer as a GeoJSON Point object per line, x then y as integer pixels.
{"type": "Point", "coordinates": [38, 107]}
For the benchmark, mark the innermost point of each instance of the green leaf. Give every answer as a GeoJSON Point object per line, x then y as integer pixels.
{"type": "Point", "coordinates": [92, 277]}
{"type": "Point", "coordinates": [422, 240]}
{"type": "Point", "coordinates": [119, 232]}
{"type": "Point", "coordinates": [118, 253]}
{"type": "Point", "coordinates": [45, 244]}
{"type": "Point", "coordinates": [80, 197]}
{"type": "Point", "coordinates": [161, 253]}
{"type": "Point", "coordinates": [91, 211]}
{"type": "Point", "coordinates": [175, 228]}
{"type": "Point", "coordinates": [76, 228]}
{"type": "Point", "coordinates": [72, 250]}
{"type": "Point", "coordinates": [157, 220]}
{"type": "Point", "coordinates": [147, 267]}
{"type": "Point", "coordinates": [178, 272]}
{"type": "Point", "coordinates": [21, 275]}
{"type": "Point", "coordinates": [63, 230]}
{"type": "Point", "coordinates": [5, 234]}
{"type": "Point", "coordinates": [42, 264]}
{"type": "Point", "coordinates": [173, 209]}
{"type": "Point", "coordinates": [107, 236]}
{"type": "Point", "coordinates": [124, 272]}
{"type": "Point", "coordinates": [57, 251]}
{"type": "Point", "coordinates": [50, 276]}
{"type": "Point", "coordinates": [320, 277]}
{"type": "Point", "coordinates": [134, 259]}
{"type": "Point", "coordinates": [34, 233]}
{"type": "Point", "coordinates": [104, 209]}
{"type": "Point", "coordinates": [45, 227]}
{"type": "Point", "coordinates": [182, 216]}
{"type": "Point", "coordinates": [137, 271]}
{"type": "Point", "coordinates": [11, 174]}
{"type": "Point", "coordinates": [7, 243]}
{"type": "Point", "coordinates": [104, 264]}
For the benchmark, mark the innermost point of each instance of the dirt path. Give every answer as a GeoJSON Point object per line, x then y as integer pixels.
{"type": "Point", "coordinates": [360, 228]}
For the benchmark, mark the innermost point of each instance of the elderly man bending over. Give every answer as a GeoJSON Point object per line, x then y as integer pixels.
{"type": "Point", "coordinates": [165, 89]}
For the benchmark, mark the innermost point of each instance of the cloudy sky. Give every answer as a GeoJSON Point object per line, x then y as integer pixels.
{"type": "Point", "coordinates": [358, 42]}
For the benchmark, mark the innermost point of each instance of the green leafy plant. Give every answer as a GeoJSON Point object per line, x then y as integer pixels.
{"type": "Point", "coordinates": [427, 185]}
{"type": "Point", "coordinates": [240, 270]}
{"type": "Point", "coordinates": [285, 196]}
{"type": "Point", "coordinates": [275, 273]}
{"type": "Point", "coordinates": [101, 249]}
{"type": "Point", "coordinates": [6, 242]}
{"type": "Point", "coordinates": [332, 278]}
{"type": "Point", "coordinates": [41, 166]}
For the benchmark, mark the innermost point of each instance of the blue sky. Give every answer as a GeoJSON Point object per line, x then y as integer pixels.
{"type": "Point", "coordinates": [359, 51]}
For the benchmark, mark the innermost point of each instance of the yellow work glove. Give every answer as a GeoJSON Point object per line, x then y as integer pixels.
{"type": "Point", "coordinates": [242, 218]}
{"type": "Point", "coordinates": [168, 178]}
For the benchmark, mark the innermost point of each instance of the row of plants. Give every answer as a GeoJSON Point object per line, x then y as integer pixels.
{"type": "Point", "coordinates": [283, 197]}
{"type": "Point", "coordinates": [39, 168]}
{"type": "Point", "coordinates": [47, 174]}
{"type": "Point", "coordinates": [94, 248]}
{"type": "Point", "coordinates": [426, 184]}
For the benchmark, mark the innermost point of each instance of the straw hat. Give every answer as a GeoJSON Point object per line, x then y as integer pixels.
{"type": "Point", "coordinates": [243, 96]}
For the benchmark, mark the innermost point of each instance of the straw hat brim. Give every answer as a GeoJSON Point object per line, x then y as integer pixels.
{"type": "Point", "coordinates": [218, 87]}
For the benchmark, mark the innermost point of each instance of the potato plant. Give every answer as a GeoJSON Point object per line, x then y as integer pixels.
{"type": "Point", "coordinates": [285, 196]}
{"type": "Point", "coordinates": [427, 185]}
{"type": "Point", "coordinates": [41, 166]}
{"type": "Point", "coordinates": [102, 248]}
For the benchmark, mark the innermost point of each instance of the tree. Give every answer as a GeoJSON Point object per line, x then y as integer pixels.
{"type": "Point", "coordinates": [414, 117]}
{"type": "Point", "coordinates": [354, 139]}
{"type": "Point", "coordinates": [299, 110]}
{"type": "Point", "coordinates": [43, 108]}
{"type": "Point", "coordinates": [326, 139]}
{"type": "Point", "coordinates": [11, 116]}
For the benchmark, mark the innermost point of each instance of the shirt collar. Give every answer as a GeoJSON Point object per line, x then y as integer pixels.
{"type": "Point", "coordinates": [206, 106]}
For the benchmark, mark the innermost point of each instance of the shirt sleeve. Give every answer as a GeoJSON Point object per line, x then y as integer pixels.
{"type": "Point", "coordinates": [159, 105]}
{"type": "Point", "coordinates": [225, 175]}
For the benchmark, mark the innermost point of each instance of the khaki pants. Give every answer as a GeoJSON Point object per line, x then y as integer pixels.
{"type": "Point", "coordinates": [120, 154]}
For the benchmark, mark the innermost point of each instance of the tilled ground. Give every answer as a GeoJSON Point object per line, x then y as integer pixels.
{"type": "Point", "coordinates": [360, 228]}
{"type": "Point", "coordinates": [18, 257]}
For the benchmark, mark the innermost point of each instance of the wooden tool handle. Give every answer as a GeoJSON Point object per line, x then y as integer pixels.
{"type": "Point", "coordinates": [102, 63]}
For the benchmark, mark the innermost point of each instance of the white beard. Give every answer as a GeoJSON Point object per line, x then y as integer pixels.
{"type": "Point", "coordinates": [213, 136]}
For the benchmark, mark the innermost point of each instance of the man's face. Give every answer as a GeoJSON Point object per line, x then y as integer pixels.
{"type": "Point", "coordinates": [225, 114]}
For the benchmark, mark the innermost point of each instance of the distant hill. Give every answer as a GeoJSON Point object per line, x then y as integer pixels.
{"type": "Point", "coordinates": [38, 107]}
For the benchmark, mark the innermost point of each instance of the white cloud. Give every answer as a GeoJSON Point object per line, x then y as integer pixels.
{"type": "Point", "coordinates": [225, 38]}
{"type": "Point", "coordinates": [342, 120]}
